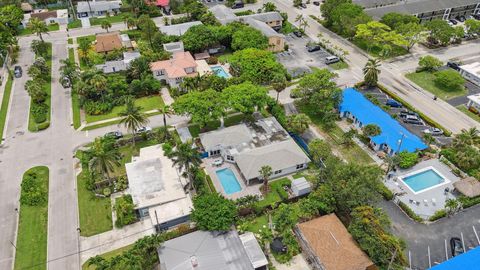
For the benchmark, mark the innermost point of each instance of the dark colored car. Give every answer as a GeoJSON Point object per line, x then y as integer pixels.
{"type": "Point", "coordinates": [303, 5]}
{"type": "Point", "coordinates": [313, 48]}
{"type": "Point", "coordinates": [393, 103]}
{"type": "Point", "coordinates": [114, 134]}
{"type": "Point", "coordinates": [456, 246]}
{"type": "Point", "coordinates": [238, 5]}
{"type": "Point", "coordinates": [460, 18]}
{"type": "Point", "coordinates": [297, 33]}
{"type": "Point", "coordinates": [17, 71]}
{"type": "Point", "coordinates": [453, 65]}
{"type": "Point", "coordinates": [476, 16]}
{"type": "Point", "coordinates": [453, 21]}
{"type": "Point", "coordinates": [316, 3]}
{"type": "Point", "coordinates": [65, 82]}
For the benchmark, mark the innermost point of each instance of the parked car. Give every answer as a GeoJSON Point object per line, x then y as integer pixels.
{"type": "Point", "coordinates": [316, 3]}
{"type": "Point", "coordinates": [433, 131]}
{"type": "Point", "coordinates": [17, 71]}
{"type": "Point", "coordinates": [413, 121]}
{"type": "Point", "coordinates": [456, 246]}
{"type": "Point", "coordinates": [313, 48]}
{"type": "Point", "coordinates": [476, 16]}
{"type": "Point", "coordinates": [460, 18]}
{"type": "Point", "coordinates": [331, 60]}
{"type": "Point", "coordinates": [143, 129]}
{"type": "Point", "coordinates": [453, 21]}
{"type": "Point", "coordinates": [238, 5]}
{"type": "Point", "coordinates": [405, 113]}
{"type": "Point", "coordinates": [453, 65]}
{"type": "Point", "coordinates": [65, 82]}
{"type": "Point", "coordinates": [115, 134]}
{"type": "Point", "coordinates": [303, 5]}
{"type": "Point", "coordinates": [297, 33]}
{"type": "Point", "coordinates": [393, 103]}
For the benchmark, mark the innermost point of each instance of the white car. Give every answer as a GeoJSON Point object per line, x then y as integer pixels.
{"type": "Point", "coordinates": [143, 129]}
{"type": "Point", "coordinates": [433, 131]}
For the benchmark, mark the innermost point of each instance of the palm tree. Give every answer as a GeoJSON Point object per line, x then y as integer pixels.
{"type": "Point", "coordinates": [269, 6]}
{"type": "Point", "coordinates": [99, 83]}
{"type": "Point", "coordinates": [69, 69]}
{"type": "Point", "coordinates": [302, 23]}
{"type": "Point", "coordinates": [279, 83]}
{"type": "Point", "coordinates": [186, 157]}
{"type": "Point", "coordinates": [106, 25]}
{"type": "Point", "coordinates": [104, 157]}
{"type": "Point", "coordinates": [133, 118]}
{"type": "Point", "coordinates": [38, 27]}
{"type": "Point", "coordinates": [265, 172]}
{"type": "Point", "coordinates": [167, 112]}
{"type": "Point", "coordinates": [467, 137]}
{"type": "Point", "coordinates": [371, 71]}
{"type": "Point", "coordinates": [84, 46]}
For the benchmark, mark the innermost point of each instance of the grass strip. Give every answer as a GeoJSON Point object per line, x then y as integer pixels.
{"type": "Point", "coordinates": [75, 102]}
{"type": "Point", "coordinates": [4, 108]}
{"type": "Point", "coordinates": [110, 123]}
{"type": "Point", "coordinates": [470, 114]}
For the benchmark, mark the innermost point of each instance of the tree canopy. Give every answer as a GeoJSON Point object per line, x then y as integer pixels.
{"type": "Point", "coordinates": [256, 66]}
{"type": "Point", "coordinates": [245, 97]}
{"type": "Point", "coordinates": [449, 79]}
{"type": "Point", "coordinates": [203, 107]}
{"type": "Point", "coordinates": [395, 20]}
{"type": "Point", "coordinates": [429, 63]}
{"type": "Point", "coordinates": [11, 16]}
{"type": "Point", "coordinates": [212, 212]}
{"type": "Point", "coordinates": [198, 38]}
{"type": "Point", "coordinates": [248, 37]}
{"type": "Point", "coordinates": [346, 17]}
{"type": "Point", "coordinates": [440, 31]}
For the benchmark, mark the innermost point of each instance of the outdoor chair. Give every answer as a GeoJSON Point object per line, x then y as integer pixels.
{"type": "Point", "coordinates": [434, 202]}
{"type": "Point", "coordinates": [425, 202]}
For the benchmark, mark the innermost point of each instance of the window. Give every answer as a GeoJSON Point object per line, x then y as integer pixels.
{"type": "Point", "coordinates": [160, 72]}
{"type": "Point", "coordinates": [277, 172]}
{"type": "Point", "coordinates": [229, 158]}
{"type": "Point", "coordinates": [214, 152]}
{"type": "Point", "coordinates": [300, 166]}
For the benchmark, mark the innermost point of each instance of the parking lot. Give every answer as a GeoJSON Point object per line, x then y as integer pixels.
{"type": "Point", "coordinates": [297, 60]}
{"type": "Point", "coordinates": [429, 245]}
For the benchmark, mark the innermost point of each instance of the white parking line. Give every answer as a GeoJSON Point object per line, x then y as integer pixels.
{"type": "Point", "coordinates": [446, 252]}
{"type": "Point", "coordinates": [429, 259]}
{"type": "Point", "coordinates": [463, 242]}
{"type": "Point", "coordinates": [476, 234]}
{"type": "Point", "coordinates": [410, 259]}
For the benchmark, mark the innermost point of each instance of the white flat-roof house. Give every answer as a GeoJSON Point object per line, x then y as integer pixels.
{"type": "Point", "coordinates": [87, 9]}
{"type": "Point", "coordinates": [59, 16]}
{"type": "Point", "coordinates": [471, 72]}
{"type": "Point", "coordinates": [264, 142]}
{"type": "Point", "coordinates": [473, 103]}
{"type": "Point", "coordinates": [118, 65]}
{"type": "Point", "coordinates": [157, 189]}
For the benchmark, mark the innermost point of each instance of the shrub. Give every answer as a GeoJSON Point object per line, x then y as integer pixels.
{"type": "Point", "coordinates": [34, 190]}
{"type": "Point", "coordinates": [167, 149]}
{"type": "Point", "coordinates": [410, 212]}
{"type": "Point", "coordinates": [212, 60]}
{"type": "Point", "coordinates": [107, 192]}
{"type": "Point", "coordinates": [407, 159]}
{"type": "Point", "coordinates": [124, 209]}
{"type": "Point", "coordinates": [39, 112]}
{"type": "Point", "coordinates": [438, 215]}
{"type": "Point", "coordinates": [449, 79]}
{"type": "Point", "coordinates": [469, 202]}
{"type": "Point", "coordinates": [429, 63]}
{"type": "Point", "coordinates": [43, 125]}
{"type": "Point", "coordinates": [386, 193]}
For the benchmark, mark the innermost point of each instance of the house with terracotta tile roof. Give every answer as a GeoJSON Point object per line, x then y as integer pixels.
{"type": "Point", "coordinates": [173, 71]}
{"type": "Point", "coordinates": [328, 245]}
{"type": "Point", "coordinates": [107, 42]}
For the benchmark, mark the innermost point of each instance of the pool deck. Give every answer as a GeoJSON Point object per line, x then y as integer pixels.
{"type": "Point", "coordinates": [424, 203]}
{"type": "Point", "coordinates": [246, 190]}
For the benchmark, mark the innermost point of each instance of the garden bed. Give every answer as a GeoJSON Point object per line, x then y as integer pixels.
{"type": "Point", "coordinates": [4, 107]}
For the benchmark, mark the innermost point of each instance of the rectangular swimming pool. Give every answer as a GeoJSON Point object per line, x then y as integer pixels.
{"type": "Point", "coordinates": [423, 180]}
{"type": "Point", "coordinates": [228, 180]}
{"type": "Point", "coordinates": [220, 72]}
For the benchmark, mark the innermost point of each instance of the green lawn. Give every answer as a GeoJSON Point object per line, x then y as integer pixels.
{"type": "Point", "coordinates": [75, 102]}
{"type": "Point", "coordinates": [111, 19]}
{"type": "Point", "coordinates": [377, 51]}
{"type": "Point", "coordinates": [147, 103]}
{"type": "Point", "coordinates": [426, 80]}
{"type": "Point", "coordinates": [95, 213]}
{"type": "Point", "coordinates": [472, 115]}
{"type": "Point", "coordinates": [339, 65]}
{"type": "Point", "coordinates": [70, 41]}
{"type": "Point", "coordinates": [51, 27]}
{"type": "Point", "coordinates": [108, 255]}
{"type": "Point", "coordinates": [47, 87]}
{"type": "Point", "coordinates": [259, 223]}
{"type": "Point", "coordinates": [32, 231]}
{"type": "Point", "coordinates": [334, 138]}
{"type": "Point", "coordinates": [4, 107]}
{"type": "Point", "coordinates": [111, 123]}
{"type": "Point", "coordinates": [273, 196]}
{"type": "Point", "coordinates": [75, 24]}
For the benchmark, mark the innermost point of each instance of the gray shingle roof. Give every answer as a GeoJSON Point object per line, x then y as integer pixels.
{"type": "Point", "coordinates": [223, 14]}
{"type": "Point", "coordinates": [209, 250]}
{"type": "Point", "coordinates": [420, 6]}
{"type": "Point", "coordinates": [97, 6]}
{"type": "Point", "coordinates": [178, 29]}
{"type": "Point", "coordinates": [230, 136]}
{"type": "Point", "coordinates": [265, 17]}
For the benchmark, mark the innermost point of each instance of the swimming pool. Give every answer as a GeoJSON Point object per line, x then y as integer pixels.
{"type": "Point", "coordinates": [219, 71]}
{"type": "Point", "coordinates": [228, 180]}
{"type": "Point", "coordinates": [423, 180]}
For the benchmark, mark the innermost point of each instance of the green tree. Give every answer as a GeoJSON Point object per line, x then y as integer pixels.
{"type": "Point", "coordinates": [412, 33]}
{"type": "Point", "coordinates": [39, 48]}
{"type": "Point", "coordinates": [69, 69]}
{"type": "Point", "coordinates": [319, 150]}
{"type": "Point", "coordinates": [11, 16]}
{"type": "Point", "coordinates": [467, 137]}
{"type": "Point", "coordinates": [103, 156]}
{"type": "Point", "coordinates": [371, 71]}
{"type": "Point", "coordinates": [440, 31]}
{"type": "Point", "coordinates": [138, 68]}
{"type": "Point", "coordinates": [269, 7]}
{"type": "Point", "coordinates": [302, 22]}
{"type": "Point", "coordinates": [297, 3]}
{"type": "Point", "coordinates": [347, 137]}
{"type": "Point", "coordinates": [285, 217]}
{"type": "Point", "coordinates": [265, 173]}
{"type": "Point", "coordinates": [186, 157]}
{"type": "Point", "coordinates": [473, 26]}
{"type": "Point", "coordinates": [198, 38]}
{"type": "Point", "coordinates": [346, 17]}
{"type": "Point", "coordinates": [396, 20]}
{"type": "Point", "coordinates": [84, 47]}
{"type": "Point", "coordinates": [327, 8]}
{"type": "Point", "coordinates": [245, 97]}
{"type": "Point", "coordinates": [148, 29]}
{"type": "Point", "coordinates": [202, 107]}
{"type": "Point", "coordinates": [407, 159]}
{"type": "Point", "coordinates": [166, 111]}
{"type": "Point", "coordinates": [371, 130]}
{"type": "Point", "coordinates": [370, 228]}
{"type": "Point", "coordinates": [452, 206]}
{"type": "Point", "coordinates": [248, 37]}
{"type": "Point", "coordinates": [35, 90]}
{"type": "Point", "coordinates": [298, 123]}
{"type": "Point", "coordinates": [449, 79]}
{"type": "Point", "coordinates": [37, 27]}
{"type": "Point", "coordinates": [8, 43]}
{"type": "Point", "coordinates": [212, 212]}
{"type": "Point", "coordinates": [106, 25]}
{"type": "Point", "coordinates": [378, 34]}
{"type": "Point", "coordinates": [256, 66]}
{"type": "Point", "coordinates": [429, 63]}
{"type": "Point", "coordinates": [279, 83]}
{"type": "Point", "coordinates": [125, 211]}
{"type": "Point", "coordinates": [133, 118]}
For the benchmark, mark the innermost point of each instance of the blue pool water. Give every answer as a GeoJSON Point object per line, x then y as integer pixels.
{"type": "Point", "coordinates": [228, 180]}
{"type": "Point", "coordinates": [423, 180]}
{"type": "Point", "coordinates": [219, 71]}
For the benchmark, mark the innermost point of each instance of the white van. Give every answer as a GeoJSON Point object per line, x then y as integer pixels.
{"type": "Point", "coordinates": [331, 59]}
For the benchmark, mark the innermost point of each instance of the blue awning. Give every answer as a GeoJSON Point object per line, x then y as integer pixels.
{"type": "Point", "coordinates": [368, 113]}
{"type": "Point", "coordinates": [466, 261]}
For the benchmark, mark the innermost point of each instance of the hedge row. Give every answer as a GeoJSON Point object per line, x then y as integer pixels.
{"type": "Point", "coordinates": [410, 212]}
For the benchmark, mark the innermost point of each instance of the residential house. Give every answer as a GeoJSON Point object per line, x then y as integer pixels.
{"type": "Point", "coordinates": [425, 10]}
{"type": "Point", "coordinates": [88, 9]}
{"type": "Point", "coordinates": [327, 245]}
{"type": "Point", "coordinates": [471, 72]}
{"type": "Point", "coordinates": [201, 250]}
{"type": "Point", "coordinates": [158, 189]}
{"type": "Point", "coordinates": [173, 71]}
{"type": "Point", "coordinates": [107, 42]}
{"type": "Point", "coordinates": [393, 137]}
{"type": "Point", "coordinates": [177, 29]}
{"type": "Point", "coordinates": [268, 23]}
{"type": "Point", "coordinates": [262, 143]}
{"type": "Point", "coordinates": [118, 65]}
{"type": "Point", "coordinates": [375, 3]}
{"type": "Point", "coordinates": [59, 16]}
{"type": "Point", "coordinates": [473, 103]}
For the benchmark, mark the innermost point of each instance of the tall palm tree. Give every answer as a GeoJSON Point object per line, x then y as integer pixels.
{"type": "Point", "coordinates": [265, 173]}
{"type": "Point", "coordinates": [133, 118]}
{"type": "Point", "coordinates": [279, 84]}
{"type": "Point", "coordinates": [69, 69]}
{"type": "Point", "coordinates": [467, 137]}
{"type": "Point", "coordinates": [302, 23]}
{"type": "Point", "coordinates": [371, 72]}
{"type": "Point", "coordinates": [104, 158]}
{"type": "Point", "coordinates": [84, 47]}
{"type": "Point", "coordinates": [166, 111]}
{"type": "Point", "coordinates": [186, 157]}
{"type": "Point", "coordinates": [99, 83]}
{"type": "Point", "coordinates": [106, 25]}
{"type": "Point", "coordinates": [38, 27]}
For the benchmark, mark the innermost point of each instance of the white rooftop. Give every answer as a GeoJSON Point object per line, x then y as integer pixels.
{"type": "Point", "coordinates": [253, 249]}
{"type": "Point", "coordinates": [153, 180]}
{"type": "Point", "coordinates": [473, 68]}
{"type": "Point", "coordinates": [475, 98]}
{"type": "Point", "coordinates": [178, 29]}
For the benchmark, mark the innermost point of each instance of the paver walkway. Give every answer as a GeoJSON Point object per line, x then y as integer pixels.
{"type": "Point", "coordinates": [167, 99]}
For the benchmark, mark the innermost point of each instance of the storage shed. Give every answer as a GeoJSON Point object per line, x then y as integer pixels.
{"type": "Point", "coordinates": [301, 187]}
